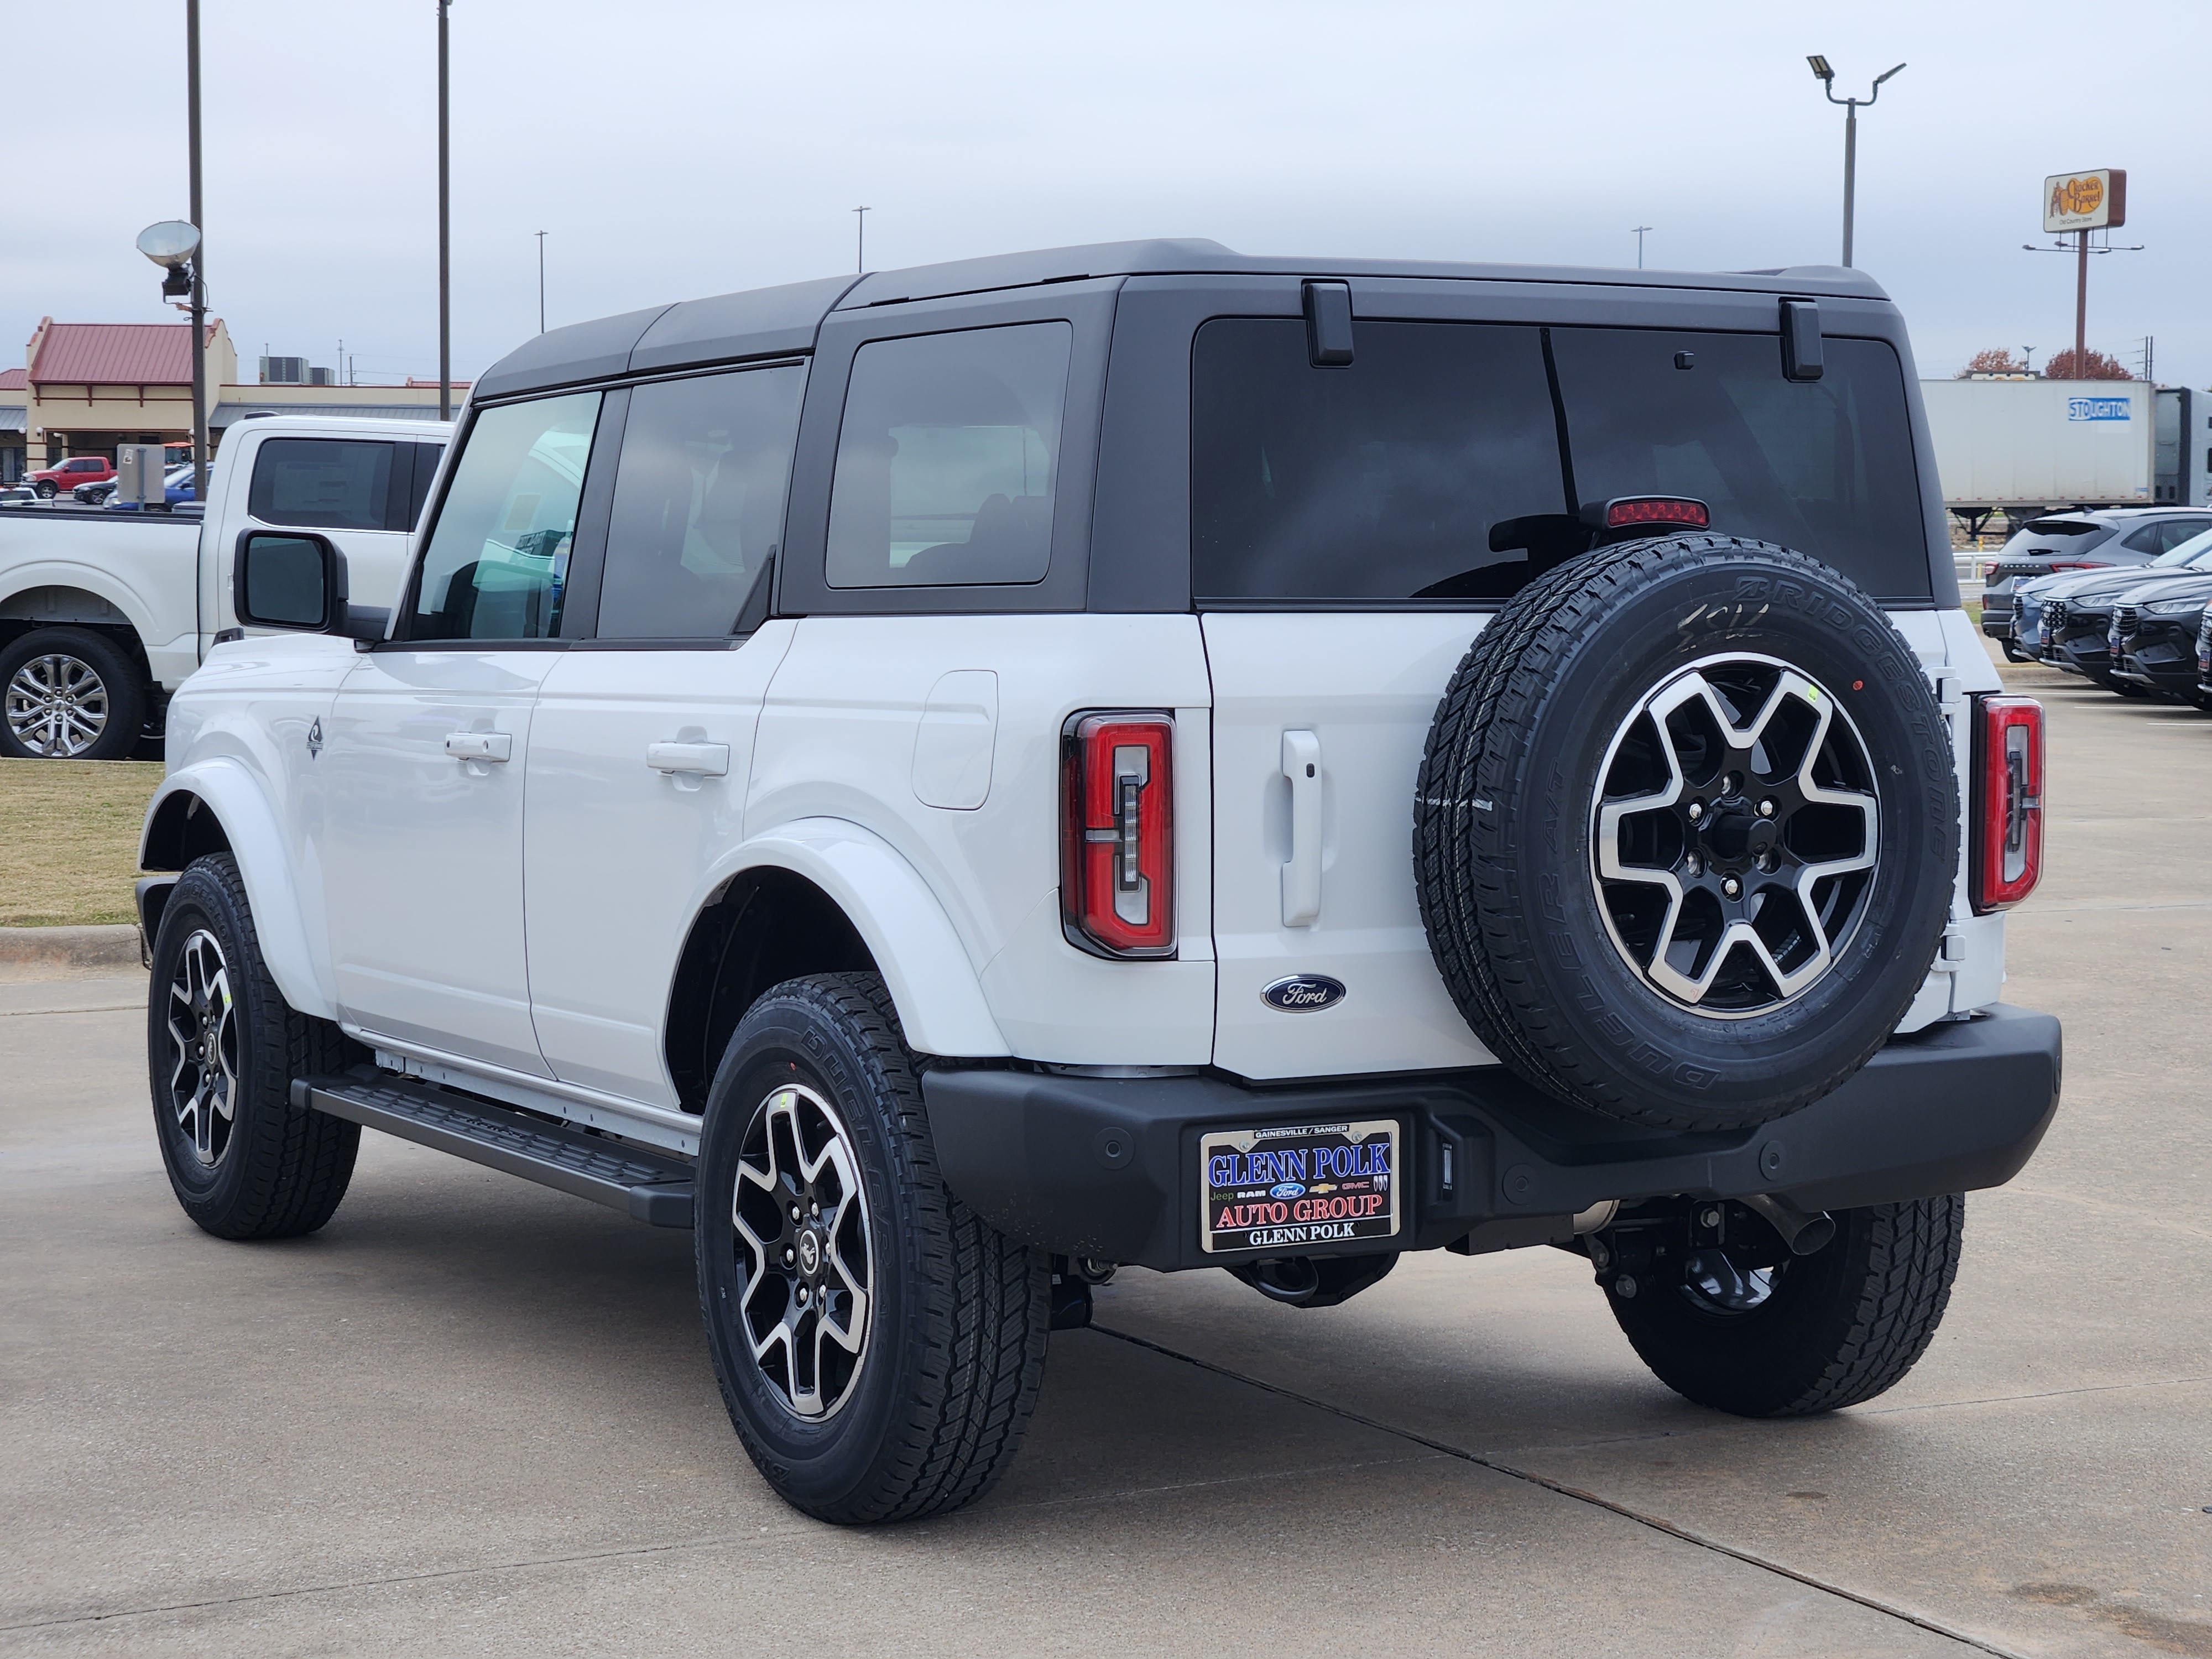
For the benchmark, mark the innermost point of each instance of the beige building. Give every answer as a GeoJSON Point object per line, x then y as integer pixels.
{"type": "Point", "coordinates": [87, 388]}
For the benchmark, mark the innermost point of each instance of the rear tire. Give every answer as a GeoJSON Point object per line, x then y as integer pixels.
{"type": "Point", "coordinates": [69, 694]}
{"type": "Point", "coordinates": [222, 1047]}
{"type": "Point", "coordinates": [880, 1346]}
{"type": "Point", "coordinates": [1840, 1325]}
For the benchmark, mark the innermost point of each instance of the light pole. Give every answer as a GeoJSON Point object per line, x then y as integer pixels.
{"type": "Point", "coordinates": [199, 258]}
{"type": "Point", "coordinates": [861, 245]}
{"type": "Point", "coordinates": [541, 282]}
{"type": "Point", "coordinates": [1826, 77]}
{"type": "Point", "coordinates": [1640, 229]}
{"type": "Point", "coordinates": [445, 235]}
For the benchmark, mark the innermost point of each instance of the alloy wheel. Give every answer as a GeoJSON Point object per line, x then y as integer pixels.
{"type": "Point", "coordinates": [803, 1250]}
{"type": "Point", "coordinates": [202, 1021]}
{"type": "Point", "coordinates": [56, 706]}
{"type": "Point", "coordinates": [1734, 836]}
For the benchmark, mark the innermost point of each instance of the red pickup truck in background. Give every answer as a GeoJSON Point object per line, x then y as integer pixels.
{"type": "Point", "coordinates": [77, 470]}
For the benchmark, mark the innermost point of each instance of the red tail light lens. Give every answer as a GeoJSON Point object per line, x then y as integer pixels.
{"type": "Point", "coordinates": [1627, 512]}
{"type": "Point", "coordinates": [1117, 834]}
{"type": "Point", "coordinates": [2008, 849]}
{"type": "Point", "coordinates": [2081, 564]}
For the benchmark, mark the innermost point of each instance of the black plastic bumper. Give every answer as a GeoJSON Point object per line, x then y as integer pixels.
{"type": "Point", "coordinates": [1109, 1167]}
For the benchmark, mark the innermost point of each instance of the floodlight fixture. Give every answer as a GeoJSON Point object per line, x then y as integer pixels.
{"type": "Point", "coordinates": [1820, 69]}
{"type": "Point", "coordinates": [170, 244]}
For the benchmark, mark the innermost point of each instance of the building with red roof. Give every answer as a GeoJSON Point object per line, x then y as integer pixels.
{"type": "Point", "coordinates": [89, 386]}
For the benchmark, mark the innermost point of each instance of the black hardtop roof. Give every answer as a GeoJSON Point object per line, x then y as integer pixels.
{"type": "Point", "coordinates": [782, 321]}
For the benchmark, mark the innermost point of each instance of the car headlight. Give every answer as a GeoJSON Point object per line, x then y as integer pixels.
{"type": "Point", "coordinates": [2172, 607]}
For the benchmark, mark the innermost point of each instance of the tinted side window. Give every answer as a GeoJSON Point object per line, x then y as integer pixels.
{"type": "Point", "coordinates": [1383, 479]}
{"type": "Point", "coordinates": [321, 483]}
{"type": "Point", "coordinates": [698, 502]}
{"type": "Point", "coordinates": [409, 512]}
{"type": "Point", "coordinates": [1825, 466]}
{"type": "Point", "coordinates": [497, 564]}
{"type": "Point", "coordinates": [946, 459]}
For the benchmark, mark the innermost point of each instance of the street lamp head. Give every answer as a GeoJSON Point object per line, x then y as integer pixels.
{"type": "Point", "coordinates": [1820, 69]}
{"type": "Point", "coordinates": [1886, 74]}
{"type": "Point", "coordinates": [170, 244]}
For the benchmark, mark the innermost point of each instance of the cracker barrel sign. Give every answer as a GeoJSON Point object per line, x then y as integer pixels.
{"type": "Point", "coordinates": [2096, 200]}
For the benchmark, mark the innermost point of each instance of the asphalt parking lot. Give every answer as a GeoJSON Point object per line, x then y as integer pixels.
{"type": "Point", "coordinates": [474, 1416]}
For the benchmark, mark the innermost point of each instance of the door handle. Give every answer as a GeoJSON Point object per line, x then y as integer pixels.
{"type": "Point", "coordinates": [706, 760]}
{"type": "Point", "coordinates": [1302, 875]}
{"type": "Point", "coordinates": [480, 746]}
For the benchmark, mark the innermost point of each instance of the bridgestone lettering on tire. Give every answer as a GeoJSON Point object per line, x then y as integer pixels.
{"type": "Point", "coordinates": [1686, 831]}
{"type": "Point", "coordinates": [880, 1346]}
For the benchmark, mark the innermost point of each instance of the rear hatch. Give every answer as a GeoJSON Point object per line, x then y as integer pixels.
{"type": "Point", "coordinates": [1354, 526]}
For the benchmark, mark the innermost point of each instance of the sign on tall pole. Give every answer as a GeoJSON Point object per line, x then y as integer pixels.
{"type": "Point", "coordinates": [2081, 202]}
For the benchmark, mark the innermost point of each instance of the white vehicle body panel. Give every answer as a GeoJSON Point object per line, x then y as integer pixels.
{"type": "Point", "coordinates": [139, 567]}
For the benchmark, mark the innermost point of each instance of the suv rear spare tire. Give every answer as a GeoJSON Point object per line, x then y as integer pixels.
{"type": "Point", "coordinates": [1686, 831]}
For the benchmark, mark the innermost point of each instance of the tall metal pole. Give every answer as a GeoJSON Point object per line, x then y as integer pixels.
{"type": "Point", "coordinates": [861, 243]}
{"type": "Point", "coordinates": [445, 236]}
{"type": "Point", "coordinates": [200, 258]}
{"type": "Point", "coordinates": [1851, 172]}
{"type": "Point", "coordinates": [2081, 305]}
{"type": "Point", "coordinates": [541, 282]}
{"type": "Point", "coordinates": [1640, 229]}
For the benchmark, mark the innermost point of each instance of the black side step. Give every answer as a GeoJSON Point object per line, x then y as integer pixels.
{"type": "Point", "coordinates": [654, 1187]}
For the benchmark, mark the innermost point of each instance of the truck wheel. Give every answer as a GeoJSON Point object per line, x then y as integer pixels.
{"type": "Point", "coordinates": [222, 1049]}
{"type": "Point", "coordinates": [46, 489]}
{"type": "Point", "coordinates": [70, 694]}
{"type": "Point", "coordinates": [1686, 832]}
{"type": "Point", "coordinates": [1817, 1333]}
{"type": "Point", "coordinates": [880, 1346]}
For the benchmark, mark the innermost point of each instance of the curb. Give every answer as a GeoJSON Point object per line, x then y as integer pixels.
{"type": "Point", "coordinates": [71, 947]}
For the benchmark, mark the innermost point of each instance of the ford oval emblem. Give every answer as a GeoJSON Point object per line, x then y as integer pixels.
{"type": "Point", "coordinates": [1303, 993]}
{"type": "Point", "coordinates": [1286, 1190]}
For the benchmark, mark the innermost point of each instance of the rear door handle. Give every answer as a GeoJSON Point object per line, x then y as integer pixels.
{"type": "Point", "coordinates": [480, 746]}
{"type": "Point", "coordinates": [1302, 875]}
{"type": "Point", "coordinates": [706, 760]}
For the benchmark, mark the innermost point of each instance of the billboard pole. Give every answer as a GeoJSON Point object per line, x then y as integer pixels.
{"type": "Point", "coordinates": [2081, 300]}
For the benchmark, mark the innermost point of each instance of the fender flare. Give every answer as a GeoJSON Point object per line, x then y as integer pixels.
{"type": "Point", "coordinates": [933, 982]}
{"type": "Point", "coordinates": [231, 792]}
{"type": "Point", "coordinates": [89, 579]}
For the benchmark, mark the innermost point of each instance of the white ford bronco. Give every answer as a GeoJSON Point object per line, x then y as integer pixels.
{"type": "Point", "coordinates": [948, 782]}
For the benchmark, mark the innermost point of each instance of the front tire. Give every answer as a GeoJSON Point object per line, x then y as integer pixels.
{"type": "Point", "coordinates": [222, 1047]}
{"type": "Point", "coordinates": [878, 1346]}
{"type": "Point", "coordinates": [1827, 1330]}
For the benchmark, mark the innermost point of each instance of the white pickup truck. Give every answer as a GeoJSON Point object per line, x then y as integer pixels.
{"type": "Point", "coordinates": [104, 613]}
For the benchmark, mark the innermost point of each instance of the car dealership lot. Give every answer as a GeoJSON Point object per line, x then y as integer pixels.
{"type": "Point", "coordinates": [479, 1416]}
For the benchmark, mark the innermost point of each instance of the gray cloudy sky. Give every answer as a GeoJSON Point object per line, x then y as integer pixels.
{"type": "Point", "coordinates": [674, 149]}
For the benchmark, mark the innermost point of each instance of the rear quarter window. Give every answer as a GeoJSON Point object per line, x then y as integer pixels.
{"type": "Point", "coordinates": [322, 483]}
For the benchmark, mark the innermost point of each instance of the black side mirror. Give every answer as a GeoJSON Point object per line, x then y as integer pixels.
{"type": "Point", "coordinates": [289, 579]}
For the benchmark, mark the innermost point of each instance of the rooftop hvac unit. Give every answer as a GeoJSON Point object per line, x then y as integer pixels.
{"type": "Point", "coordinates": [322, 377]}
{"type": "Point", "coordinates": [283, 371]}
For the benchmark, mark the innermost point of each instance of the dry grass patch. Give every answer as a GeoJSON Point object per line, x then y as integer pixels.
{"type": "Point", "coordinates": [68, 839]}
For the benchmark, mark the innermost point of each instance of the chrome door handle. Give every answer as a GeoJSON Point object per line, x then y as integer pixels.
{"type": "Point", "coordinates": [1302, 875]}
{"type": "Point", "coordinates": [706, 760]}
{"type": "Point", "coordinates": [480, 746]}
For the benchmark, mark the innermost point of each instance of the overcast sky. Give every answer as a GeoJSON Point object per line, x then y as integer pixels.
{"type": "Point", "coordinates": [675, 150]}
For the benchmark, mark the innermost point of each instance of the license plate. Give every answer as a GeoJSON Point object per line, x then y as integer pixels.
{"type": "Point", "coordinates": [1293, 1189]}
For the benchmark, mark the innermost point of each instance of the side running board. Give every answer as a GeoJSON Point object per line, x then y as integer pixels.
{"type": "Point", "coordinates": [652, 1187]}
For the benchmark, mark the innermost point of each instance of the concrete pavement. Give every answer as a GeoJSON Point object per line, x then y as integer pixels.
{"type": "Point", "coordinates": [474, 1416]}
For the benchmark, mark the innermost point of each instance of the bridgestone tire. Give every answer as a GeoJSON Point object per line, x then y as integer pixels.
{"type": "Point", "coordinates": [958, 1315]}
{"type": "Point", "coordinates": [1842, 1324]}
{"type": "Point", "coordinates": [126, 695]}
{"type": "Point", "coordinates": [1502, 831]}
{"type": "Point", "coordinates": [281, 1169]}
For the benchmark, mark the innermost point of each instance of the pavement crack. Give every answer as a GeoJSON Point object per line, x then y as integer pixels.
{"type": "Point", "coordinates": [1656, 1523]}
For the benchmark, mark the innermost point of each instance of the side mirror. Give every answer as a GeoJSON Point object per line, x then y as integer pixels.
{"type": "Point", "coordinates": [289, 579]}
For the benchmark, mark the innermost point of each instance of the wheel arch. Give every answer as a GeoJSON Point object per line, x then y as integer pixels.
{"type": "Point", "coordinates": [215, 805]}
{"type": "Point", "coordinates": [820, 896]}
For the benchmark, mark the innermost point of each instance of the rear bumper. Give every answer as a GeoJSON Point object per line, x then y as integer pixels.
{"type": "Point", "coordinates": [1109, 1167]}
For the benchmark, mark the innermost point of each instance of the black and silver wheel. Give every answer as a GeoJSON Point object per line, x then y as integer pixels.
{"type": "Point", "coordinates": [46, 489]}
{"type": "Point", "coordinates": [69, 694]}
{"type": "Point", "coordinates": [222, 1048]}
{"type": "Point", "coordinates": [1765, 1334]}
{"type": "Point", "coordinates": [1686, 831]}
{"type": "Point", "coordinates": [878, 1346]}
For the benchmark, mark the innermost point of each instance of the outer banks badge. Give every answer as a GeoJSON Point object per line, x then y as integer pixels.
{"type": "Point", "coordinates": [1291, 1190]}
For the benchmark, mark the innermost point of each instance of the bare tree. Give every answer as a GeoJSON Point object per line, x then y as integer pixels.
{"type": "Point", "coordinates": [1996, 360]}
{"type": "Point", "coordinates": [2092, 366]}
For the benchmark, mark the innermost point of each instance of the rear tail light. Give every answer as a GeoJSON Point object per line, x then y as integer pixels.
{"type": "Point", "coordinates": [2007, 807]}
{"type": "Point", "coordinates": [1117, 834]}
{"type": "Point", "coordinates": [2080, 564]}
{"type": "Point", "coordinates": [1631, 512]}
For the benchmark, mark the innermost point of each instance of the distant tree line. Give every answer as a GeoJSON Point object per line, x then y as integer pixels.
{"type": "Point", "coordinates": [2062, 366]}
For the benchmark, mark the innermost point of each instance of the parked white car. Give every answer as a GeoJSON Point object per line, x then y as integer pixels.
{"type": "Point", "coordinates": [103, 614]}
{"type": "Point", "coordinates": [949, 782]}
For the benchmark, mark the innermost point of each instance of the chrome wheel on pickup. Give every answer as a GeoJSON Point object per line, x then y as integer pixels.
{"type": "Point", "coordinates": [56, 706]}
{"type": "Point", "coordinates": [801, 1227]}
{"type": "Point", "coordinates": [1735, 835]}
